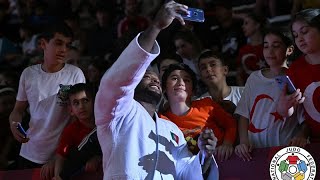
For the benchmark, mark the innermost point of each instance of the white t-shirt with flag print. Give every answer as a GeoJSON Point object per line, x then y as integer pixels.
{"type": "Point", "coordinates": [267, 128]}
{"type": "Point", "coordinates": [48, 109]}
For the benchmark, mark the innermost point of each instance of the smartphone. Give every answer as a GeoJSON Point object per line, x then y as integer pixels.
{"type": "Point", "coordinates": [194, 14]}
{"type": "Point", "coordinates": [283, 80]}
{"type": "Point", "coordinates": [21, 130]}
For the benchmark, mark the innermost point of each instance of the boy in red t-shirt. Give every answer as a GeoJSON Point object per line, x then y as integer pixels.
{"type": "Point", "coordinates": [81, 99]}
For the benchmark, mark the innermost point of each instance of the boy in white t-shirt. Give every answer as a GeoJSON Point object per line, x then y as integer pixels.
{"type": "Point", "coordinates": [213, 72]}
{"type": "Point", "coordinates": [42, 88]}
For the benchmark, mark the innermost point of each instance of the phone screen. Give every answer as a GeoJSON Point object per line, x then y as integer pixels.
{"type": "Point", "coordinates": [283, 80]}
{"type": "Point", "coordinates": [194, 14]}
{"type": "Point", "coordinates": [22, 131]}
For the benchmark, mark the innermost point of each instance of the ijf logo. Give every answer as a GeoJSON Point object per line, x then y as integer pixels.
{"type": "Point", "coordinates": [292, 163]}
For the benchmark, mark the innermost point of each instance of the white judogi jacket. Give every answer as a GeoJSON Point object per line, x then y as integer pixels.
{"type": "Point", "coordinates": [134, 145]}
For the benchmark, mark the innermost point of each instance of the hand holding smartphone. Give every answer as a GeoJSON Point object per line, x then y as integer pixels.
{"type": "Point", "coordinates": [283, 80]}
{"type": "Point", "coordinates": [21, 130]}
{"type": "Point", "coordinates": [194, 14]}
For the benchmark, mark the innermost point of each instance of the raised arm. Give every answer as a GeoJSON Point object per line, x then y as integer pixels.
{"type": "Point", "coordinates": [117, 86]}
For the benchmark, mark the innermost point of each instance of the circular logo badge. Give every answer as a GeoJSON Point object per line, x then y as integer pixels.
{"type": "Point", "coordinates": [292, 163]}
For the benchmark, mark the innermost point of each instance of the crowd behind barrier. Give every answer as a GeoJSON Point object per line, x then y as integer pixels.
{"type": "Point", "coordinates": [232, 169]}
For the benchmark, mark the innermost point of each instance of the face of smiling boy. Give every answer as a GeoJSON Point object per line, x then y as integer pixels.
{"type": "Point", "coordinates": [179, 86]}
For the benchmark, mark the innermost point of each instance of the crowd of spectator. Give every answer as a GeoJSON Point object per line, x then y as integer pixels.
{"type": "Point", "coordinates": [219, 74]}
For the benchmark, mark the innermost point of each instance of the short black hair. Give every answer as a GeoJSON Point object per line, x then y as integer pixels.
{"type": "Point", "coordinates": [82, 87]}
{"type": "Point", "coordinates": [183, 67]}
{"type": "Point", "coordinates": [214, 54]}
{"type": "Point", "coordinates": [58, 27]}
{"type": "Point", "coordinates": [165, 56]}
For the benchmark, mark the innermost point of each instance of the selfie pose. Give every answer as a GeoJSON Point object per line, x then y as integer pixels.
{"type": "Point", "coordinates": [135, 142]}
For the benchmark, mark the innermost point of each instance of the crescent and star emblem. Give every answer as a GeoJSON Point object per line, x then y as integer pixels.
{"type": "Point", "coordinates": [277, 117]}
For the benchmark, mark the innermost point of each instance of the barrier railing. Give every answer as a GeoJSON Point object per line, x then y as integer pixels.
{"type": "Point", "coordinates": [232, 169]}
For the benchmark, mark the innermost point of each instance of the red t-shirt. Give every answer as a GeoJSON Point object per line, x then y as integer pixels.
{"type": "Point", "coordinates": [307, 77]}
{"type": "Point", "coordinates": [71, 137]}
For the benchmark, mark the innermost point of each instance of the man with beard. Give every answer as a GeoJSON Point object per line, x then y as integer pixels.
{"type": "Point", "coordinates": [135, 142]}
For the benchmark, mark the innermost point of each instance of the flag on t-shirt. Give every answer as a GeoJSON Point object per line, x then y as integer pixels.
{"type": "Point", "coordinates": [175, 137]}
